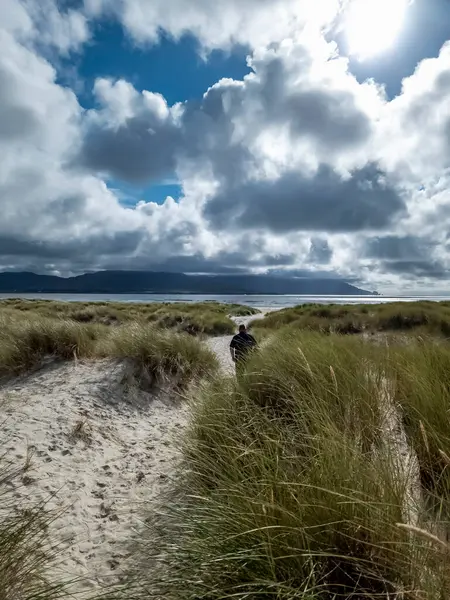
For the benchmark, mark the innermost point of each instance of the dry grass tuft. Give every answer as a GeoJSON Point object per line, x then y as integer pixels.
{"type": "Point", "coordinates": [26, 552]}
{"type": "Point", "coordinates": [161, 356]}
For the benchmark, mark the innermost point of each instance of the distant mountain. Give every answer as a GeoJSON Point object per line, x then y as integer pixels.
{"type": "Point", "coordinates": [141, 282]}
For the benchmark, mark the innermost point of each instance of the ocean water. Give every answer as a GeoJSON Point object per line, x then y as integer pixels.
{"type": "Point", "coordinates": [273, 302]}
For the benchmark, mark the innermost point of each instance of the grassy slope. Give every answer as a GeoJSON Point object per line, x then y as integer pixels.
{"type": "Point", "coordinates": [211, 318]}
{"type": "Point", "coordinates": [162, 356]}
{"type": "Point", "coordinates": [287, 492]}
{"type": "Point", "coordinates": [159, 355]}
{"type": "Point", "coordinates": [33, 330]}
{"type": "Point", "coordinates": [417, 317]}
{"type": "Point", "coordinates": [421, 371]}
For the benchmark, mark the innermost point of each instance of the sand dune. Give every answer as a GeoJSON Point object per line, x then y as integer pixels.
{"type": "Point", "coordinates": [94, 447]}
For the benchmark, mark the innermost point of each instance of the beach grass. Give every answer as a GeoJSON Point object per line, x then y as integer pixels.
{"type": "Point", "coordinates": [421, 372]}
{"type": "Point", "coordinates": [162, 356]}
{"type": "Point", "coordinates": [159, 355]}
{"type": "Point", "coordinates": [33, 330]}
{"type": "Point", "coordinates": [26, 551]}
{"type": "Point", "coordinates": [423, 317]}
{"type": "Point", "coordinates": [287, 489]}
{"type": "Point", "coordinates": [209, 318]}
{"type": "Point", "coordinates": [25, 343]}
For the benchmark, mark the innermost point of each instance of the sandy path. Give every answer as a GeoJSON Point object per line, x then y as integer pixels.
{"type": "Point", "coordinates": [96, 450]}
{"type": "Point", "coordinates": [402, 457]}
{"type": "Point", "coordinates": [221, 345]}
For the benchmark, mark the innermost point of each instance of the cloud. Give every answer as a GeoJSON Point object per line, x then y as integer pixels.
{"type": "Point", "coordinates": [42, 24]}
{"type": "Point", "coordinates": [418, 269]}
{"type": "Point", "coordinates": [219, 24]}
{"type": "Point", "coordinates": [64, 30]}
{"type": "Point", "coordinates": [392, 247]}
{"type": "Point", "coordinates": [417, 122]}
{"type": "Point", "coordinates": [298, 166]}
{"type": "Point", "coordinates": [133, 137]}
{"type": "Point", "coordinates": [408, 256]}
{"type": "Point", "coordinates": [320, 252]}
{"type": "Point", "coordinates": [324, 202]}
{"type": "Point", "coordinates": [313, 183]}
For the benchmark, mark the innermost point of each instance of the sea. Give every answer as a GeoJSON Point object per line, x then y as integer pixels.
{"type": "Point", "coordinates": [272, 302]}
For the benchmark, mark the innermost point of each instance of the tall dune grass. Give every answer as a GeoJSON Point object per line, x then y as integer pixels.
{"type": "Point", "coordinates": [209, 318]}
{"type": "Point", "coordinates": [287, 490]}
{"type": "Point", "coordinates": [25, 343]}
{"type": "Point", "coordinates": [26, 552]}
{"type": "Point", "coordinates": [399, 317]}
{"type": "Point", "coordinates": [161, 355]}
{"type": "Point", "coordinates": [422, 375]}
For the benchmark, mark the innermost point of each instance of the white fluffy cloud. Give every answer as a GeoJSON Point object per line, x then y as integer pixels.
{"type": "Point", "coordinates": [298, 166]}
{"type": "Point", "coordinates": [41, 22]}
{"type": "Point", "coordinates": [218, 24]}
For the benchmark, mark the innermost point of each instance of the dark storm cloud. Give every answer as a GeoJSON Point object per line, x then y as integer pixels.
{"type": "Point", "coordinates": [208, 128]}
{"type": "Point", "coordinates": [121, 251]}
{"type": "Point", "coordinates": [147, 147]}
{"type": "Point", "coordinates": [324, 202]}
{"type": "Point", "coordinates": [399, 248]}
{"type": "Point", "coordinates": [426, 269]}
{"type": "Point", "coordinates": [307, 273]}
{"type": "Point", "coordinates": [405, 255]}
{"type": "Point", "coordinates": [320, 251]}
{"type": "Point", "coordinates": [137, 151]}
{"type": "Point", "coordinates": [225, 262]}
{"type": "Point", "coordinates": [87, 251]}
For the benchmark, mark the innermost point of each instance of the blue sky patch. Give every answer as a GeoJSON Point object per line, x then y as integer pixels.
{"type": "Point", "coordinates": [130, 195]}
{"type": "Point", "coordinates": [175, 69]}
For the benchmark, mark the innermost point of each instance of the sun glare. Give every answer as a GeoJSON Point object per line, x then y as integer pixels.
{"type": "Point", "coordinates": [372, 26]}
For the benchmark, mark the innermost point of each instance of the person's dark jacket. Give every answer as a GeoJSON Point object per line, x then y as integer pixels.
{"type": "Point", "coordinates": [242, 343]}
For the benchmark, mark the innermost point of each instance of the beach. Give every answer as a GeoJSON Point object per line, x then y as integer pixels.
{"type": "Point", "coordinates": [119, 420]}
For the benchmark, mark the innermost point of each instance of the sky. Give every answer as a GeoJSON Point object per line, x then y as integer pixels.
{"type": "Point", "coordinates": [285, 136]}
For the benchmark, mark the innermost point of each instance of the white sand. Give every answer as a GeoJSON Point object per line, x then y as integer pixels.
{"type": "Point", "coordinates": [96, 451]}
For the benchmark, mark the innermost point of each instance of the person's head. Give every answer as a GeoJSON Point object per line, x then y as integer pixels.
{"type": "Point", "coordinates": [242, 328]}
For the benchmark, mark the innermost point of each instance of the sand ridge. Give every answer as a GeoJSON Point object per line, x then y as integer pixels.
{"type": "Point", "coordinates": [94, 449]}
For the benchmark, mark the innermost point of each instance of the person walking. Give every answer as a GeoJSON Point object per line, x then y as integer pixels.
{"type": "Point", "coordinates": [241, 345]}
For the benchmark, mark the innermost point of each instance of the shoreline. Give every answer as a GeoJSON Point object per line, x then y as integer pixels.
{"type": "Point", "coordinates": [259, 302]}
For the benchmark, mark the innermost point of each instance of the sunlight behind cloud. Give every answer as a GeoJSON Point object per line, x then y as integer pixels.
{"type": "Point", "coordinates": [372, 26]}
